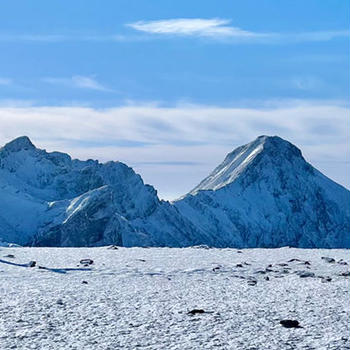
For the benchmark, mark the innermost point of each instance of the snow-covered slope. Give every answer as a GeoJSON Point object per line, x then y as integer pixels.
{"type": "Point", "coordinates": [264, 194]}
{"type": "Point", "coordinates": [49, 199]}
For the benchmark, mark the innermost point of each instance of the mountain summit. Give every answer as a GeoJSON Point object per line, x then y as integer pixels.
{"type": "Point", "coordinates": [264, 194]}
{"type": "Point", "coordinates": [238, 161]}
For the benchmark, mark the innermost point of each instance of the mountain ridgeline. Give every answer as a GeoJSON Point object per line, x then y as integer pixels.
{"type": "Point", "coordinates": [264, 194]}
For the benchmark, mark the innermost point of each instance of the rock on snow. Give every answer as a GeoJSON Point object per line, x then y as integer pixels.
{"type": "Point", "coordinates": [172, 299]}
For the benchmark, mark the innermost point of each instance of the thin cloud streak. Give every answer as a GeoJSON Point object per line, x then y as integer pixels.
{"type": "Point", "coordinates": [213, 29]}
{"type": "Point", "coordinates": [220, 29]}
{"type": "Point", "coordinates": [193, 27]}
{"type": "Point", "coordinates": [77, 81]}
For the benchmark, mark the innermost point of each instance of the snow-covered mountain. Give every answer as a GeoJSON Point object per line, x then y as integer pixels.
{"type": "Point", "coordinates": [49, 199]}
{"type": "Point", "coordinates": [264, 194]}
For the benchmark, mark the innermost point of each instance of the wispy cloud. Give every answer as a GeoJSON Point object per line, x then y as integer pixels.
{"type": "Point", "coordinates": [215, 27]}
{"type": "Point", "coordinates": [78, 81]}
{"type": "Point", "coordinates": [221, 29]}
{"type": "Point", "coordinates": [186, 141]}
{"type": "Point", "coordinates": [32, 37]}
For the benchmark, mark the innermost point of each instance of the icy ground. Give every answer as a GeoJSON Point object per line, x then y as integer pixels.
{"type": "Point", "coordinates": [139, 298]}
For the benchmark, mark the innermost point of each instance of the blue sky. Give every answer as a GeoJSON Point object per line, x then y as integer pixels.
{"type": "Point", "coordinates": [170, 87]}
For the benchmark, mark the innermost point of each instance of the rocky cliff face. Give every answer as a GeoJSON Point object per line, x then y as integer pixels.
{"type": "Point", "coordinates": [264, 194]}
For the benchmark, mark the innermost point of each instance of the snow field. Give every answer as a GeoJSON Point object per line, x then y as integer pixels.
{"type": "Point", "coordinates": [139, 298]}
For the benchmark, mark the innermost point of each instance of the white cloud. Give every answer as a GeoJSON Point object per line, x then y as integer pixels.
{"type": "Point", "coordinates": [215, 27]}
{"type": "Point", "coordinates": [218, 28]}
{"type": "Point", "coordinates": [210, 28]}
{"type": "Point", "coordinates": [78, 81]}
{"type": "Point", "coordinates": [194, 138]}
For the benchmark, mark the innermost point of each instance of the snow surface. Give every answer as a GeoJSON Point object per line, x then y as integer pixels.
{"type": "Point", "coordinates": [138, 298]}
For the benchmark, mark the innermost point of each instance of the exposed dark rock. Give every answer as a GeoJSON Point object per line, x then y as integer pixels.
{"type": "Point", "coordinates": [252, 282]}
{"type": "Point", "coordinates": [31, 263]}
{"type": "Point", "coordinates": [327, 259]}
{"type": "Point", "coordinates": [342, 262]}
{"type": "Point", "coordinates": [86, 261]}
{"type": "Point", "coordinates": [196, 311]}
{"type": "Point", "coordinates": [305, 274]}
{"type": "Point", "coordinates": [290, 324]}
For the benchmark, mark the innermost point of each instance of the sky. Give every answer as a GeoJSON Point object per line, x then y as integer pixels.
{"type": "Point", "coordinates": [171, 87]}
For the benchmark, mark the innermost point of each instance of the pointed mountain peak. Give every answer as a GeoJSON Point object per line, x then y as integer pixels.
{"type": "Point", "coordinates": [236, 162]}
{"type": "Point", "coordinates": [19, 143]}
{"type": "Point", "coordinates": [270, 145]}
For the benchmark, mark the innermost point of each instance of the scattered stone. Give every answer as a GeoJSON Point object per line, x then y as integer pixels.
{"type": "Point", "coordinates": [269, 265]}
{"type": "Point", "coordinates": [239, 265]}
{"type": "Point", "coordinates": [252, 282]}
{"type": "Point", "coordinates": [239, 252]}
{"type": "Point", "coordinates": [267, 278]}
{"type": "Point", "coordinates": [260, 272]}
{"type": "Point", "coordinates": [59, 301]}
{"type": "Point", "coordinates": [307, 263]}
{"type": "Point", "coordinates": [345, 274]}
{"type": "Point", "coordinates": [342, 262]}
{"type": "Point", "coordinates": [216, 268]}
{"type": "Point", "coordinates": [113, 247]}
{"type": "Point", "coordinates": [84, 282]}
{"type": "Point", "coordinates": [327, 259]}
{"type": "Point", "coordinates": [142, 260]}
{"type": "Point", "coordinates": [31, 263]}
{"type": "Point", "coordinates": [86, 261]}
{"type": "Point", "coordinates": [196, 311]}
{"type": "Point", "coordinates": [305, 274]}
{"type": "Point", "coordinates": [291, 260]}
{"type": "Point", "coordinates": [290, 324]}
{"type": "Point", "coordinates": [11, 256]}
{"type": "Point", "coordinates": [326, 279]}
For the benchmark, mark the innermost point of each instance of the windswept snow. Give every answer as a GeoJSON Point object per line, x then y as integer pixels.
{"type": "Point", "coordinates": [137, 298]}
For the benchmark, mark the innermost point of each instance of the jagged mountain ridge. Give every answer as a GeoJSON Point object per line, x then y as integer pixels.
{"type": "Point", "coordinates": [50, 199]}
{"type": "Point", "coordinates": [264, 194]}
